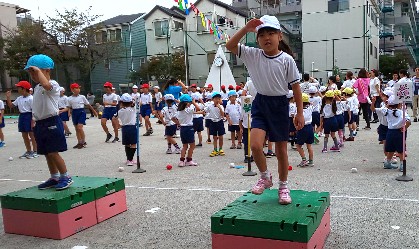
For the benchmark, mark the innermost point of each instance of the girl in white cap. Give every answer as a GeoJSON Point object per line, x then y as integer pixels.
{"type": "Point", "coordinates": [273, 69]}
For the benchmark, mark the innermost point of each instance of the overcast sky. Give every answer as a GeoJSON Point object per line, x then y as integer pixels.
{"type": "Point", "coordinates": [106, 8]}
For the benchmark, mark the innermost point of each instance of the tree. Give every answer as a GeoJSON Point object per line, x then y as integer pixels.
{"type": "Point", "coordinates": [390, 64]}
{"type": "Point", "coordinates": [162, 67]}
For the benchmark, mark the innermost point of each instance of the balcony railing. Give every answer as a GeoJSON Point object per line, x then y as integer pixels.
{"type": "Point", "coordinates": [387, 6]}
{"type": "Point", "coordinates": [387, 31]}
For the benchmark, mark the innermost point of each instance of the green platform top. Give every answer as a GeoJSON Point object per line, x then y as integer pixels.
{"type": "Point", "coordinates": [82, 191]}
{"type": "Point", "coordinates": [261, 216]}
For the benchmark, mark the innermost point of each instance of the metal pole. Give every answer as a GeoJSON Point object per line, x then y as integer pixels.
{"type": "Point", "coordinates": [404, 177]}
{"type": "Point", "coordinates": [137, 112]}
{"type": "Point", "coordinates": [333, 55]}
{"type": "Point", "coordinates": [186, 52]}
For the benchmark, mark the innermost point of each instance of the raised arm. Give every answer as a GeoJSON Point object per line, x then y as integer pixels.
{"type": "Point", "coordinates": [233, 44]}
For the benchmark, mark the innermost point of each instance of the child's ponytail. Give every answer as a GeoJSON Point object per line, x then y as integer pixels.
{"type": "Point", "coordinates": [283, 46]}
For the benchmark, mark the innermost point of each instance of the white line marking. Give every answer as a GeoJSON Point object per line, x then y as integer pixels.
{"type": "Point", "coordinates": [243, 191]}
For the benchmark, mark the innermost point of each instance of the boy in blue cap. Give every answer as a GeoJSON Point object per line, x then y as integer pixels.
{"type": "Point", "coordinates": [48, 130]}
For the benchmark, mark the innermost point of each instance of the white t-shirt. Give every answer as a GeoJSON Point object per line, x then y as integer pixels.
{"type": "Point", "coordinates": [63, 102]}
{"type": "Point", "coordinates": [391, 83]}
{"type": "Point", "coordinates": [327, 111]}
{"type": "Point", "coordinates": [292, 110]}
{"type": "Point", "coordinates": [234, 113]}
{"type": "Point", "coordinates": [308, 114]}
{"type": "Point", "coordinates": [394, 122]}
{"type": "Point", "coordinates": [271, 75]}
{"type": "Point", "coordinates": [205, 106]}
{"type": "Point", "coordinates": [127, 116]}
{"type": "Point", "coordinates": [348, 83]}
{"type": "Point", "coordinates": [201, 108]}
{"type": "Point", "coordinates": [340, 107]}
{"type": "Point", "coordinates": [354, 104]}
{"type": "Point", "coordinates": [185, 117]}
{"type": "Point", "coordinates": [77, 102]}
{"type": "Point", "coordinates": [110, 98]}
{"type": "Point", "coordinates": [373, 83]}
{"type": "Point", "coordinates": [158, 96]}
{"type": "Point", "coordinates": [45, 103]}
{"type": "Point", "coordinates": [1, 105]}
{"type": "Point", "coordinates": [316, 101]}
{"type": "Point", "coordinates": [169, 112]}
{"type": "Point", "coordinates": [305, 86]}
{"type": "Point", "coordinates": [250, 88]}
{"type": "Point", "coordinates": [146, 99]}
{"type": "Point", "coordinates": [381, 112]}
{"type": "Point", "coordinates": [24, 104]}
{"type": "Point", "coordinates": [214, 112]}
{"type": "Point", "coordinates": [333, 87]}
{"type": "Point", "coordinates": [224, 95]}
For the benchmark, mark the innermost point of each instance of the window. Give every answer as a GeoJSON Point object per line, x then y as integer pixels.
{"type": "Point", "coordinates": [178, 25]}
{"type": "Point", "coordinates": [142, 61]}
{"type": "Point", "coordinates": [371, 46]}
{"type": "Point", "coordinates": [101, 36]}
{"type": "Point", "coordinates": [338, 5]}
{"type": "Point", "coordinates": [201, 28]}
{"type": "Point", "coordinates": [375, 52]}
{"type": "Point", "coordinates": [112, 35]}
{"type": "Point", "coordinates": [161, 28]}
{"type": "Point", "coordinates": [119, 34]}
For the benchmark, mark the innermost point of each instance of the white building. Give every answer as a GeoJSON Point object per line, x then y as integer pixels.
{"type": "Point", "coordinates": [171, 30]}
{"type": "Point", "coordinates": [340, 34]}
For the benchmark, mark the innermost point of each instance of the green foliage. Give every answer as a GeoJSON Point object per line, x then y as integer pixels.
{"type": "Point", "coordinates": [389, 64]}
{"type": "Point", "coordinates": [162, 67]}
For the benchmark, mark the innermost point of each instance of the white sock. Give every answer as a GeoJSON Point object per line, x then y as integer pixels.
{"type": "Point", "coordinates": [266, 174]}
{"type": "Point", "coordinates": [283, 184]}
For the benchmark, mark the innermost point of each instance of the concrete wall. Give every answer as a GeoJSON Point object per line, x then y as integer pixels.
{"type": "Point", "coordinates": [320, 28]}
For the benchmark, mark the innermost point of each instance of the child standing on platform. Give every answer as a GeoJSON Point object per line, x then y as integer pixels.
{"type": "Point", "coordinates": [330, 124]}
{"type": "Point", "coordinates": [63, 111]}
{"type": "Point", "coordinates": [76, 103]}
{"type": "Point", "coordinates": [198, 118]}
{"type": "Point", "coordinates": [48, 130]}
{"type": "Point", "coordinates": [216, 129]}
{"type": "Point", "coordinates": [184, 118]}
{"type": "Point", "coordinates": [158, 106]}
{"type": "Point", "coordinates": [291, 114]}
{"type": "Point", "coordinates": [110, 101]}
{"type": "Point", "coordinates": [168, 113]}
{"type": "Point", "coordinates": [25, 122]}
{"type": "Point", "coordinates": [146, 105]}
{"type": "Point", "coordinates": [126, 114]}
{"type": "Point", "coordinates": [2, 124]}
{"type": "Point", "coordinates": [273, 69]}
{"type": "Point", "coordinates": [233, 114]}
{"type": "Point", "coordinates": [306, 135]}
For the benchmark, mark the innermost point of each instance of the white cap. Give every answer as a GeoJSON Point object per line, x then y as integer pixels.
{"type": "Point", "coordinates": [290, 94]}
{"type": "Point", "coordinates": [169, 97]}
{"type": "Point", "coordinates": [134, 87]}
{"type": "Point", "coordinates": [388, 92]}
{"type": "Point", "coordinates": [198, 88]}
{"type": "Point", "coordinates": [126, 97]}
{"type": "Point", "coordinates": [196, 96]}
{"type": "Point", "coordinates": [113, 88]}
{"type": "Point", "coordinates": [31, 89]}
{"type": "Point", "coordinates": [157, 87]}
{"type": "Point", "coordinates": [312, 89]}
{"type": "Point", "coordinates": [269, 22]}
{"type": "Point", "coordinates": [322, 89]}
{"type": "Point", "coordinates": [62, 89]}
{"type": "Point", "coordinates": [392, 100]}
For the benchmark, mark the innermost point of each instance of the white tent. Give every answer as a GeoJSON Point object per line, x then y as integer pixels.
{"type": "Point", "coordinates": [220, 75]}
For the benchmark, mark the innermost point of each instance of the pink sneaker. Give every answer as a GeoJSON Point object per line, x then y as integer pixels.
{"type": "Point", "coordinates": [261, 185]}
{"type": "Point", "coordinates": [191, 163]}
{"type": "Point", "coordinates": [129, 163]}
{"type": "Point", "coordinates": [181, 164]}
{"type": "Point", "coordinates": [335, 149]}
{"type": "Point", "coordinates": [324, 150]}
{"type": "Point", "coordinates": [284, 195]}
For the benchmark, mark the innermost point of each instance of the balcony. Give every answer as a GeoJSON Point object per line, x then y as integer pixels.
{"type": "Point", "coordinates": [387, 31]}
{"type": "Point", "coordinates": [387, 6]}
{"type": "Point", "coordinates": [289, 8]}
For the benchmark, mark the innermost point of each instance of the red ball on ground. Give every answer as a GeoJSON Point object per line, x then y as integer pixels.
{"type": "Point", "coordinates": [169, 167]}
{"type": "Point", "coordinates": [289, 167]}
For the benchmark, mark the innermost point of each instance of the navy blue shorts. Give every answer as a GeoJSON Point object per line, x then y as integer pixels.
{"type": "Point", "coordinates": [208, 123]}
{"type": "Point", "coordinates": [49, 135]}
{"type": "Point", "coordinates": [341, 122]}
{"type": "Point", "coordinates": [394, 141]}
{"type": "Point", "coordinates": [129, 134]}
{"type": "Point", "coordinates": [158, 107]}
{"type": "Point", "coordinates": [78, 116]}
{"type": "Point", "coordinates": [345, 117]}
{"type": "Point", "coordinates": [291, 127]}
{"type": "Point", "coordinates": [2, 125]}
{"type": "Point", "coordinates": [187, 134]}
{"type": "Point", "coordinates": [233, 128]}
{"type": "Point", "coordinates": [330, 125]}
{"type": "Point", "coordinates": [198, 124]}
{"type": "Point", "coordinates": [145, 110]}
{"type": "Point", "coordinates": [382, 132]}
{"type": "Point", "coordinates": [270, 113]}
{"type": "Point", "coordinates": [24, 122]}
{"type": "Point", "coordinates": [64, 116]}
{"type": "Point", "coordinates": [305, 135]}
{"type": "Point", "coordinates": [354, 118]}
{"type": "Point", "coordinates": [217, 128]}
{"type": "Point", "coordinates": [109, 112]}
{"type": "Point", "coordinates": [225, 101]}
{"type": "Point", "coordinates": [170, 130]}
{"type": "Point", "coordinates": [315, 119]}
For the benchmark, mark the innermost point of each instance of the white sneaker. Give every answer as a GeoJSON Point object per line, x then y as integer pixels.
{"type": "Point", "coordinates": [169, 151]}
{"type": "Point", "coordinates": [181, 164]}
{"type": "Point", "coordinates": [25, 155]}
{"type": "Point", "coordinates": [35, 154]}
{"type": "Point", "coordinates": [130, 163]}
{"type": "Point", "coordinates": [177, 151]}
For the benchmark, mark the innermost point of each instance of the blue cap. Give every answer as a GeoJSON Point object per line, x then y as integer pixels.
{"type": "Point", "coordinates": [215, 94]}
{"type": "Point", "coordinates": [232, 93]}
{"type": "Point", "coordinates": [126, 98]}
{"type": "Point", "coordinates": [185, 98]}
{"type": "Point", "coordinates": [41, 61]}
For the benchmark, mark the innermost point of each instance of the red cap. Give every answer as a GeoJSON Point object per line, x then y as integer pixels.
{"type": "Point", "coordinates": [24, 84]}
{"type": "Point", "coordinates": [193, 85]}
{"type": "Point", "coordinates": [145, 86]}
{"type": "Point", "coordinates": [108, 84]}
{"type": "Point", "coordinates": [74, 85]}
{"type": "Point", "coordinates": [230, 87]}
{"type": "Point", "coordinates": [209, 85]}
{"type": "Point", "coordinates": [238, 88]}
{"type": "Point", "coordinates": [223, 87]}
